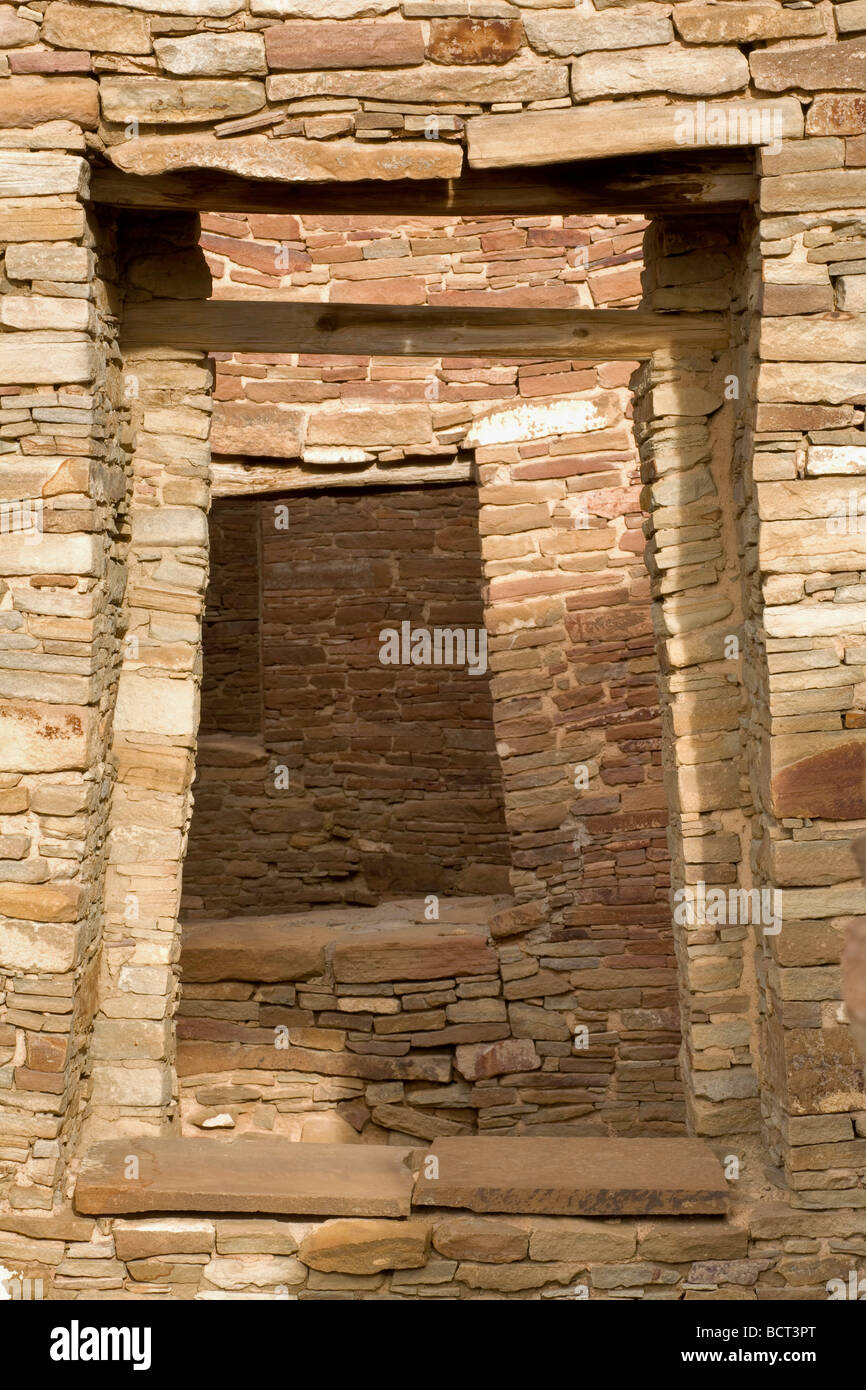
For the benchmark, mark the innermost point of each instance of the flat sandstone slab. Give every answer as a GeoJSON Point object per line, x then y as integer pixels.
{"type": "Point", "coordinates": [575, 1177]}
{"type": "Point", "coordinates": [260, 949]}
{"type": "Point", "coordinates": [246, 1175]}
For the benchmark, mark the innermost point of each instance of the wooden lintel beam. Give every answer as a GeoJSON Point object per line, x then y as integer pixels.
{"type": "Point", "coordinates": [241, 477]}
{"type": "Point", "coordinates": [646, 185]}
{"type": "Point", "coordinates": [224, 325]}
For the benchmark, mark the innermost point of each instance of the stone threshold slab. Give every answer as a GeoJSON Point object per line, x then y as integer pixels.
{"type": "Point", "coordinates": [267, 1175]}
{"type": "Point", "coordinates": [364, 945]}
{"type": "Point", "coordinates": [574, 1177]}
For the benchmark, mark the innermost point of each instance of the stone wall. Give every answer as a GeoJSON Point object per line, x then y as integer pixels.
{"type": "Point", "coordinates": [571, 642]}
{"type": "Point", "coordinates": [156, 712]}
{"type": "Point", "coordinates": [369, 779]}
{"type": "Point", "coordinates": [373, 413]}
{"type": "Point", "coordinates": [418, 1018]}
{"type": "Point", "coordinates": [762, 1252]}
{"type": "Point", "coordinates": [368, 417]}
{"type": "Point", "coordinates": [64, 443]}
{"type": "Point", "coordinates": [280, 90]}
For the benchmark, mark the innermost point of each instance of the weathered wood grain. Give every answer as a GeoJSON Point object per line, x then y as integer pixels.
{"type": "Point", "coordinates": [400, 331]}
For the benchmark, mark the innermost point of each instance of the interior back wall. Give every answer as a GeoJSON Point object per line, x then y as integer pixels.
{"type": "Point", "coordinates": [324, 775]}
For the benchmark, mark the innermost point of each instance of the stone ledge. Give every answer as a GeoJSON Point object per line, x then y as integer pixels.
{"type": "Point", "coordinates": [256, 1175]}
{"type": "Point", "coordinates": [363, 945]}
{"type": "Point", "coordinates": [575, 1177]}
{"type": "Point", "coordinates": [551, 1176]}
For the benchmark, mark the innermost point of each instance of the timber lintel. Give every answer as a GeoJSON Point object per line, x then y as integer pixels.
{"type": "Point", "coordinates": [398, 331]}
{"type": "Point", "coordinates": [677, 182]}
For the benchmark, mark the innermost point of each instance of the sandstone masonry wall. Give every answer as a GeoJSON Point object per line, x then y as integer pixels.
{"type": "Point", "coordinates": [64, 444]}
{"type": "Point", "coordinates": [282, 89]}
{"type": "Point", "coordinates": [353, 411]}
{"type": "Point", "coordinates": [390, 781]}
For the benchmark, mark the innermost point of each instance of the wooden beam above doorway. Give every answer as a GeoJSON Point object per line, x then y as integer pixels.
{"type": "Point", "coordinates": [223, 325]}
{"type": "Point", "coordinates": [244, 477]}
{"type": "Point", "coordinates": [647, 185]}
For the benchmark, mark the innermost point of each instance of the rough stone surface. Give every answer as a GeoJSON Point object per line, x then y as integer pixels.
{"type": "Point", "coordinates": [178, 102]}
{"type": "Point", "coordinates": [317, 46]}
{"type": "Point", "coordinates": [577, 1176]}
{"type": "Point", "coordinates": [677, 69]}
{"type": "Point", "coordinates": [262, 1175]}
{"type": "Point", "coordinates": [366, 1247]}
{"type": "Point", "coordinates": [257, 157]}
{"type": "Point", "coordinates": [30, 101]}
{"type": "Point", "coordinates": [96, 28]}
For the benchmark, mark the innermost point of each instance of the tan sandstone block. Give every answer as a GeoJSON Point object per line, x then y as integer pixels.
{"type": "Point", "coordinates": [29, 362]}
{"type": "Point", "coordinates": [255, 156]}
{"type": "Point", "coordinates": [796, 339]}
{"type": "Point", "coordinates": [745, 22]}
{"type": "Point", "coordinates": [523, 79]}
{"type": "Point", "coordinates": [366, 1247]}
{"type": "Point", "coordinates": [199, 9]}
{"type": "Point", "coordinates": [253, 1271]}
{"type": "Point", "coordinates": [95, 28]}
{"type": "Point", "coordinates": [41, 902]}
{"type": "Point", "coordinates": [155, 705]}
{"type": "Point", "coordinates": [676, 68]}
{"type": "Point", "coordinates": [814, 192]}
{"type": "Point", "coordinates": [39, 948]}
{"type": "Point", "coordinates": [40, 219]}
{"type": "Point", "coordinates": [15, 32]}
{"type": "Point", "coordinates": [571, 34]}
{"type": "Point", "coordinates": [35, 261]}
{"type": "Point", "coordinates": [583, 1241]}
{"type": "Point", "coordinates": [42, 173]}
{"type": "Point", "coordinates": [124, 1085]}
{"type": "Point", "coordinates": [831, 382]}
{"type": "Point", "coordinates": [408, 425]}
{"type": "Point", "coordinates": [676, 1241]}
{"type": "Point", "coordinates": [167, 1235]}
{"type": "Point", "coordinates": [177, 102]}
{"type": "Point", "coordinates": [46, 311]}
{"type": "Point", "coordinates": [485, 1239]}
{"type": "Point", "coordinates": [315, 9]}
{"type": "Point", "coordinates": [36, 737]}
{"type": "Point", "coordinates": [213, 55]}
{"type": "Point", "coordinates": [516, 1278]}
{"type": "Point", "coordinates": [832, 66]}
{"type": "Point", "coordinates": [32, 100]}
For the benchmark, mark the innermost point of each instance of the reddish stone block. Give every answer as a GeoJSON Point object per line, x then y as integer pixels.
{"type": "Point", "coordinates": [273, 226]}
{"type": "Point", "coordinates": [271, 259]}
{"type": "Point", "coordinates": [479, 1061]}
{"type": "Point", "coordinates": [837, 115]}
{"type": "Point", "coordinates": [264, 430]}
{"type": "Point", "coordinates": [404, 291]}
{"type": "Point", "coordinates": [474, 40]}
{"type": "Point", "coordinates": [830, 785]}
{"type": "Point", "coordinates": [49, 62]}
{"type": "Point", "coordinates": [50, 1082]}
{"type": "Point", "coordinates": [310, 47]}
{"type": "Point", "coordinates": [46, 1052]}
